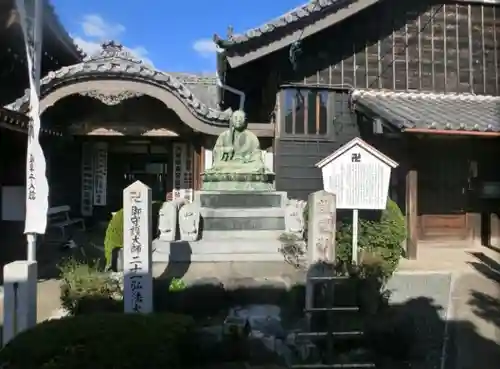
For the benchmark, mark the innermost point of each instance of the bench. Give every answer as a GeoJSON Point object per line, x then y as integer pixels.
{"type": "Point", "coordinates": [58, 217]}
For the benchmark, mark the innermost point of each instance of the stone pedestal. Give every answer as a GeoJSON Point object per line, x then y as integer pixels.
{"type": "Point", "coordinates": [20, 298]}
{"type": "Point", "coordinates": [235, 226]}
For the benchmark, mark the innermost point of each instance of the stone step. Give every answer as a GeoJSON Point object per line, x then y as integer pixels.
{"type": "Point", "coordinates": [242, 213]}
{"type": "Point", "coordinates": [213, 258]}
{"type": "Point", "coordinates": [235, 245]}
{"type": "Point", "coordinates": [217, 250]}
{"type": "Point", "coordinates": [240, 199]}
{"type": "Point", "coordinates": [244, 224]}
{"type": "Point", "coordinates": [259, 236]}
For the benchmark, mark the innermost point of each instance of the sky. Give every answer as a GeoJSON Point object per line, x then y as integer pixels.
{"type": "Point", "coordinates": [172, 35]}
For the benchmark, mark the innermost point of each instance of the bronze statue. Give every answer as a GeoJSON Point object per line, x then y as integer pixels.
{"type": "Point", "coordinates": [237, 150]}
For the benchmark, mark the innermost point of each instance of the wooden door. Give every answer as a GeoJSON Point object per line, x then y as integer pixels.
{"type": "Point", "coordinates": [443, 191]}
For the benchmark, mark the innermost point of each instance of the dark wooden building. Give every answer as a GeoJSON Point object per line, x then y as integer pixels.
{"type": "Point", "coordinates": [418, 79]}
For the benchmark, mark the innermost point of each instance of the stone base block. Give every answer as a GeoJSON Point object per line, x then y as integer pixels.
{"type": "Point", "coordinates": [242, 186]}
{"type": "Point", "coordinates": [259, 236]}
{"type": "Point", "coordinates": [240, 199]}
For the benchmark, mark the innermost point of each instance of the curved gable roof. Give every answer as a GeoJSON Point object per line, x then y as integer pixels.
{"type": "Point", "coordinates": [113, 62]}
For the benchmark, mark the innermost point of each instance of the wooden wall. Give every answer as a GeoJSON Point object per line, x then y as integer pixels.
{"type": "Point", "coordinates": [427, 45]}
{"type": "Point", "coordinates": [296, 154]}
{"type": "Point", "coordinates": [452, 47]}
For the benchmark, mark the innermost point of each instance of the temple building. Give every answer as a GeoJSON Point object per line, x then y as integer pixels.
{"type": "Point", "coordinates": [416, 79]}
{"type": "Point", "coordinates": [122, 120]}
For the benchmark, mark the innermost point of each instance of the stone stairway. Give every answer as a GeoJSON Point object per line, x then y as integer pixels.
{"type": "Point", "coordinates": [235, 226]}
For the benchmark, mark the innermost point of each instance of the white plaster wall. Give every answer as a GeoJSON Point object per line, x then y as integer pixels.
{"type": "Point", "coordinates": [208, 159]}
{"type": "Point", "coordinates": [268, 160]}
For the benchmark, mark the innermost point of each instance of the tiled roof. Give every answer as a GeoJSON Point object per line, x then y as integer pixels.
{"type": "Point", "coordinates": [114, 61]}
{"type": "Point", "coordinates": [466, 112]}
{"type": "Point", "coordinates": [59, 29]}
{"type": "Point", "coordinates": [312, 8]}
{"type": "Point", "coordinates": [204, 87]}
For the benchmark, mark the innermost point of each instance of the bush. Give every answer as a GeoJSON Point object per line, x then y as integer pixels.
{"type": "Point", "coordinates": [102, 341]}
{"type": "Point", "coordinates": [114, 236]}
{"type": "Point", "coordinates": [380, 237]}
{"type": "Point", "coordinates": [114, 232]}
{"type": "Point", "coordinates": [177, 284]}
{"type": "Point", "coordinates": [86, 289]}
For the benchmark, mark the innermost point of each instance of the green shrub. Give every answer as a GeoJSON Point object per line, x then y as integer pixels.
{"type": "Point", "coordinates": [177, 284]}
{"type": "Point", "coordinates": [114, 235]}
{"type": "Point", "coordinates": [86, 289]}
{"type": "Point", "coordinates": [380, 237]}
{"type": "Point", "coordinates": [102, 341]}
{"type": "Point", "coordinates": [114, 232]}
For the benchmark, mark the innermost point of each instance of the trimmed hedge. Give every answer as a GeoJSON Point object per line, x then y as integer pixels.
{"type": "Point", "coordinates": [114, 232]}
{"type": "Point", "coordinates": [102, 341]}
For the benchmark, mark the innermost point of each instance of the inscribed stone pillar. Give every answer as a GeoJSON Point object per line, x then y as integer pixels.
{"type": "Point", "coordinates": [137, 250]}
{"type": "Point", "coordinates": [321, 228]}
{"type": "Point", "coordinates": [320, 240]}
{"type": "Point", "coordinates": [19, 300]}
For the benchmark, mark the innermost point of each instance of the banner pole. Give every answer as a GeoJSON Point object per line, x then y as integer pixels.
{"type": "Point", "coordinates": [31, 251]}
{"type": "Point", "coordinates": [37, 191]}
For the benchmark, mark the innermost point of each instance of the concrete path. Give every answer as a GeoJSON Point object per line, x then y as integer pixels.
{"type": "Point", "coordinates": [472, 331]}
{"type": "Point", "coordinates": [474, 324]}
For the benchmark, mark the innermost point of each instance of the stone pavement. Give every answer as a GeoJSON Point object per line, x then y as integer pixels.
{"type": "Point", "coordinates": [449, 259]}
{"type": "Point", "coordinates": [474, 323]}
{"type": "Point", "coordinates": [472, 330]}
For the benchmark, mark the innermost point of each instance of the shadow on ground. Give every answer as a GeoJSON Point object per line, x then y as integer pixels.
{"type": "Point", "coordinates": [486, 306]}
{"type": "Point", "coordinates": [417, 332]}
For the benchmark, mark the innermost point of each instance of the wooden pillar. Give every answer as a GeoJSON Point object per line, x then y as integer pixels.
{"type": "Point", "coordinates": [411, 214]}
{"type": "Point", "coordinates": [197, 165]}
{"type": "Point", "coordinates": [202, 166]}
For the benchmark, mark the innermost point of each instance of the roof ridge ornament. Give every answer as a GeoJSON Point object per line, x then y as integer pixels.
{"type": "Point", "coordinates": [113, 50]}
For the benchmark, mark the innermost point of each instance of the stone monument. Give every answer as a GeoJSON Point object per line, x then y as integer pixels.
{"type": "Point", "coordinates": [137, 273]}
{"type": "Point", "coordinates": [238, 215]}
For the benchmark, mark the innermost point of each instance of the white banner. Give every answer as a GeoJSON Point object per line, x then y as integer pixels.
{"type": "Point", "coordinates": [100, 173]}
{"type": "Point", "coordinates": [37, 188]}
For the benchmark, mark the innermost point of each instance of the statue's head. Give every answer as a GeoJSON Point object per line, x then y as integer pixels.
{"type": "Point", "coordinates": [238, 120]}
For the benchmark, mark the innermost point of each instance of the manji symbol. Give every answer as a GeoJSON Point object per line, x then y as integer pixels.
{"type": "Point", "coordinates": [356, 158]}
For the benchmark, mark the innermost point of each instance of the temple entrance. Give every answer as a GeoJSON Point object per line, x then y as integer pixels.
{"type": "Point", "coordinates": [166, 165]}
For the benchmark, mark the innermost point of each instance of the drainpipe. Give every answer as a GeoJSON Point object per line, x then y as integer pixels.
{"type": "Point", "coordinates": [223, 86]}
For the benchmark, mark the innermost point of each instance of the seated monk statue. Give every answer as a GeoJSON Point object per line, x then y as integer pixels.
{"type": "Point", "coordinates": [237, 150]}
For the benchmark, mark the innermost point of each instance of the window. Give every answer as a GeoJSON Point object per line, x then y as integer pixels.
{"type": "Point", "coordinates": [305, 112]}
